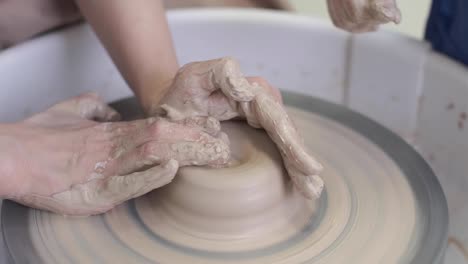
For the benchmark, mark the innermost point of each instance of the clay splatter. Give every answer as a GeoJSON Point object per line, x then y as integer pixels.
{"type": "Point", "coordinates": [450, 106]}
{"type": "Point", "coordinates": [461, 120]}
{"type": "Point", "coordinates": [463, 116]}
{"type": "Point", "coordinates": [459, 245]}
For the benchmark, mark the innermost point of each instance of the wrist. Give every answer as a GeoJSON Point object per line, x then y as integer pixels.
{"type": "Point", "coordinates": [152, 92]}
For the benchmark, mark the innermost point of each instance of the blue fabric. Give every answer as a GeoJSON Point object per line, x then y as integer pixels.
{"type": "Point", "coordinates": [447, 28]}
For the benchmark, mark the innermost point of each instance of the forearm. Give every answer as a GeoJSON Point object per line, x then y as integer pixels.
{"type": "Point", "coordinates": [7, 157]}
{"type": "Point", "coordinates": [137, 37]}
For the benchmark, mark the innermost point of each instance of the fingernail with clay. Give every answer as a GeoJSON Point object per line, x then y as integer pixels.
{"type": "Point", "coordinates": [171, 164]}
{"type": "Point", "coordinates": [151, 120]}
{"type": "Point", "coordinates": [113, 116]}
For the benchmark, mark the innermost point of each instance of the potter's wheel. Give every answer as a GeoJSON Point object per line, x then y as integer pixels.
{"type": "Point", "coordinates": [382, 204]}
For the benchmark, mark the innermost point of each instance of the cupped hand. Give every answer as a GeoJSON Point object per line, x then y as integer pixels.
{"type": "Point", "coordinates": [363, 15]}
{"type": "Point", "coordinates": [198, 90]}
{"type": "Point", "coordinates": [67, 162]}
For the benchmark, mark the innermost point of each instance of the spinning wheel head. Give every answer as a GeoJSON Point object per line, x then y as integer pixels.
{"type": "Point", "coordinates": [381, 204]}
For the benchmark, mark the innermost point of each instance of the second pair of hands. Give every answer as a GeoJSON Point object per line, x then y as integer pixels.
{"type": "Point", "coordinates": [76, 159]}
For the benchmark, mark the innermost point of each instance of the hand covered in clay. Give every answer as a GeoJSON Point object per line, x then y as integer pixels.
{"type": "Point", "coordinates": [67, 162]}
{"type": "Point", "coordinates": [195, 91]}
{"type": "Point", "coordinates": [217, 88]}
{"type": "Point", "coordinates": [363, 15]}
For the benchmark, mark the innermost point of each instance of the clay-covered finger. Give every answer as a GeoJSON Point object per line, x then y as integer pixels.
{"type": "Point", "coordinates": [137, 133]}
{"type": "Point", "coordinates": [343, 15]}
{"type": "Point", "coordinates": [222, 107]}
{"type": "Point", "coordinates": [57, 205]}
{"type": "Point", "coordinates": [301, 166]}
{"type": "Point", "coordinates": [301, 159]}
{"type": "Point", "coordinates": [101, 112]}
{"type": "Point", "coordinates": [118, 189]}
{"type": "Point", "coordinates": [209, 124]}
{"type": "Point", "coordinates": [164, 130]}
{"type": "Point", "coordinates": [228, 77]}
{"type": "Point", "coordinates": [275, 120]}
{"type": "Point", "coordinates": [386, 11]}
{"type": "Point", "coordinates": [137, 159]}
{"type": "Point", "coordinates": [93, 107]}
{"type": "Point", "coordinates": [195, 141]}
{"type": "Point", "coordinates": [310, 186]}
{"type": "Point", "coordinates": [126, 136]}
{"type": "Point", "coordinates": [100, 195]}
{"type": "Point", "coordinates": [89, 106]}
{"type": "Point", "coordinates": [267, 87]}
{"type": "Point", "coordinates": [363, 16]}
{"type": "Point", "coordinates": [223, 73]}
{"type": "Point", "coordinates": [206, 150]}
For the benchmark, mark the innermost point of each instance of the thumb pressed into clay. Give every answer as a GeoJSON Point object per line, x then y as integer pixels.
{"type": "Point", "coordinates": [100, 195]}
